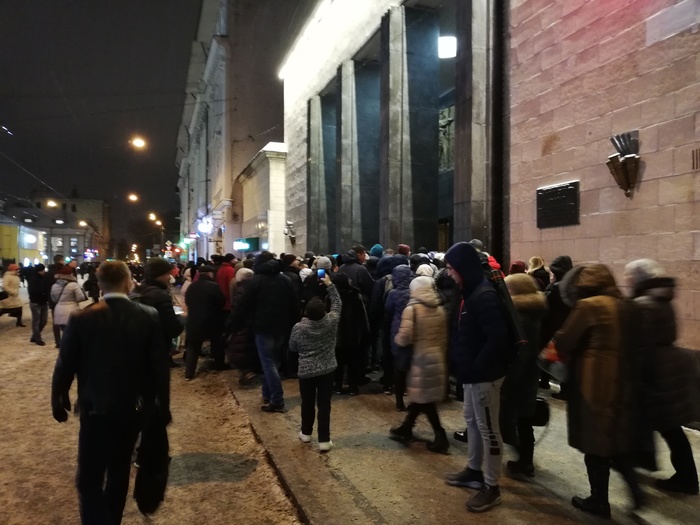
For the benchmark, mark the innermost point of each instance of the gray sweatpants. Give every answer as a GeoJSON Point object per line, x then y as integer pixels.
{"type": "Point", "coordinates": [482, 402]}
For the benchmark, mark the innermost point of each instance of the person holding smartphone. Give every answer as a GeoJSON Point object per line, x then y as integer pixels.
{"type": "Point", "coordinates": [314, 338]}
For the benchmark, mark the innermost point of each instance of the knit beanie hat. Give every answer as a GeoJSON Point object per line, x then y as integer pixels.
{"type": "Point", "coordinates": [323, 262]}
{"type": "Point", "coordinates": [517, 267]}
{"type": "Point", "coordinates": [156, 267]}
{"type": "Point", "coordinates": [404, 249]}
{"type": "Point", "coordinates": [13, 267]}
{"type": "Point", "coordinates": [63, 270]}
{"type": "Point", "coordinates": [243, 274]}
{"type": "Point", "coordinates": [376, 250]}
{"type": "Point", "coordinates": [288, 258]}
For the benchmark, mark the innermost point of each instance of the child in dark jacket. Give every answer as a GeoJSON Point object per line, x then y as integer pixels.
{"type": "Point", "coordinates": [314, 339]}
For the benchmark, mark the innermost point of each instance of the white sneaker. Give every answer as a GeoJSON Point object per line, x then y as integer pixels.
{"type": "Point", "coordinates": [304, 438]}
{"type": "Point", "coordinates": [325, 446]}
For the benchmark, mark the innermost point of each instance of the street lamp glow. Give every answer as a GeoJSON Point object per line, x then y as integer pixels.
{"type": "Point", "coordinates": [133, 197]}
{"type": "Point", "coordinates": [82, 223]}
{"type": "Point", "coordinates": [159, 223]}
{"type": "Point", "coordinates": [51, 204]}
{"type": "Point", "coordinates": [138, 142]}
{"type": "Point", "coordinates": [152, 216]}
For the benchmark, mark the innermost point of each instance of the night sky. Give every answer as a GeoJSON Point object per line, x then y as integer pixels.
{"type": "Point", "coordinates": [79, 78]}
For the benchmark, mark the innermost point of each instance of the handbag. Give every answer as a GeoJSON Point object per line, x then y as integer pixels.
{"type": "Point", "coordinates": [550, 361]}
{"type": "Point", "coordinates": [3, 295]}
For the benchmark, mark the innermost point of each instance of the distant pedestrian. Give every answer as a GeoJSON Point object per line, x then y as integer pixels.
{"type": "Point", "coordinates": [204, 301]}
{"type": "Point", "coordinates": [58, 263]}
{"type": "Point", "coordinates": [424, 328]}
{"type": "Point", "coordinates": [67, 295]}
{"type": "Point", "coordinates": [90, 285]}
{"type": "Point", "coordinates": [38, 303]}
{"type": "Point", "coordinates": [12, 305]}
{"type": "Point", "coordinates": [314, 339]}
{"type": "Point", "coordinates": [115, 349]}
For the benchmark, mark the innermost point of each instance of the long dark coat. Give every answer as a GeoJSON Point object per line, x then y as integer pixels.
{"type": "Point", "coordinates": [598, 343]}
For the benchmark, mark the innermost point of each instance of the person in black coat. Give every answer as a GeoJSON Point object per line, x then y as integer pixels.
{"type": "Point", "coordinates": [557, 312]}
{"type": "Point", "coordinates": [155, 292]}
{"type": "Point", "coordinates": [271, 302]}
{"type": "Point", "coordinates": [115, 349]}
{"type": "Point", "coordinates": [205, 302]}
{"type": "Point", "coordinates": [241, 344]}
{"type": "Point", "coordinates": [353, 330]}
{"type": "Point", "coordinates": [353, 266]}
{"type": "Point", "coordinates": [90, 286]}
{"type": "Point", "coordinates": [49, 281]}
{"type": "Point", "coordinates": [38, 303]}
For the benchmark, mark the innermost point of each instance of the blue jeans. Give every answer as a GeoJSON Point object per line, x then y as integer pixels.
{"type": "Point", "coordinates": [269, 350]}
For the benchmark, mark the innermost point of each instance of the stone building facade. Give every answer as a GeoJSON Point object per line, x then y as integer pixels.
{"type": "Point", "coordinates": [582, 71]}
{"type": "Point", "coordinates": [233, 108]}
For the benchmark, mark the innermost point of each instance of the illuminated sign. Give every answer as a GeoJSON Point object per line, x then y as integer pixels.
{"type": "Point", "coordinates": [247, 244]}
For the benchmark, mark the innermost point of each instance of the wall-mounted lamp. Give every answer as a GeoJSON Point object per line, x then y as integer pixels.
{"type": "Point", "coordinates": [290, 232]}
{"type": "Point", "coordinates": [624, 165]}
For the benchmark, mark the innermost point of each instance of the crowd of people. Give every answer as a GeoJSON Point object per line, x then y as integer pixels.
{"type": "Point", "coordinates": [430, 321]}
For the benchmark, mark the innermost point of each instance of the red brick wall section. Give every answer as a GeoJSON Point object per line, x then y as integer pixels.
{"type": "Point", "coordinates": [580, 72]}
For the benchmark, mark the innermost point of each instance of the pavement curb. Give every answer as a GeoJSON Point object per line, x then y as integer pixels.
{"type": "Point", "coordinates": [271, 460]}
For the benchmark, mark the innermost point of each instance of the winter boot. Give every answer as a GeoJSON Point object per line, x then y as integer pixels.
{"type": "Point", "coordinates": [440, 445]}
{"type": "Point", "coordinates": [402, 433]}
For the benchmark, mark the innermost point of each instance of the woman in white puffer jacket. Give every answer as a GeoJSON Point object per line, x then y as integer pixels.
{"type": "Point", "coordinates": [67, 294]}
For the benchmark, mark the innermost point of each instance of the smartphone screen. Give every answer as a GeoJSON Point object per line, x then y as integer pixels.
{"type": "Point", "coordinates": [321, 273]}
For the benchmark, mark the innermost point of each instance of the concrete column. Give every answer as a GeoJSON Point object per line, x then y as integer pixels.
{"type": "Point", "coordinates": [473, 108]}
{"type": "Point", "coordinates": [321, 182]}
{"type": "Point", "coordinates": [314, 175]}
{"type": "Point", "coordinates": [409, 127]}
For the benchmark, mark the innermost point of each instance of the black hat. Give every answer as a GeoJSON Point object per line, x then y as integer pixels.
{"type": "Point", "coordinates": [157, 266]}
{"type": "Point", "coordinates": [205, 268]}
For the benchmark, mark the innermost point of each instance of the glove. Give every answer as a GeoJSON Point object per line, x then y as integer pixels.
{"type": "Point", "coordinates": [60, 407]}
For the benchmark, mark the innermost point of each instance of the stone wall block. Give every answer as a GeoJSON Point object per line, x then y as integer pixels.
{"type": "Point", "coordinates": [678, 189]}
{"type": "Point", "coordinates": [656, 165]}
{"type": "Point", "coordinates": [688, 99]}
{"type": "Point", "coordinates": [676, 246]}
{"type": "Point", "coordinates": [586, 249]}
{"type": "Point", "coordinates": [612, 249]}
{"type": "Point", "coordinates": [677, 132]}
{"type": "Point", "coordinates": [682, 161]}
{"type": "Point", "coordinates": [641, 247]}
{"type": "Point", "coordinates": [648, 140]}
{"type": "Point", "coordinates": [658, 110]}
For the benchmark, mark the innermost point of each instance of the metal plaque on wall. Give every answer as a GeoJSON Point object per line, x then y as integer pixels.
{"type": "Point", "coordinates": [558, 205]}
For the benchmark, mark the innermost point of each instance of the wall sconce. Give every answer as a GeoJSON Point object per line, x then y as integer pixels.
{"type": "Point", "coordinates": [624, 165]}
{"type": "Point", "coordinates": [290, 232]}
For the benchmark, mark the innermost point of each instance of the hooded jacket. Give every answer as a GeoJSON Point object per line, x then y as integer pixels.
{"type": "Point", "coordinates": [156, 294]}
{"type": "Point", "coordinates": [382, 286]}
{"type": "Point", "coordinates": [205, 303]}
{"type": "Point", "coordinates": [480, 352]}
{"type": "Point", "coordinates": [270, 299]}
{"type": "Point", "coordinates": [224, 275]}
{"type": "Point", "coordinates": [557, 309]}
{"type": "Point", "coordinates": [10, 283]}
{"type": "Point", "coordinates": [354, 325]}
{"type": "Point", "coordinates": [396, 301]}
{"type": "Point", "coordinates": [358, 274]}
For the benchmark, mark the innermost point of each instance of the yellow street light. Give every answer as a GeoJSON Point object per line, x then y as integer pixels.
{"type": "Point", "coordinates": [152, 216]}
{"type": "Point", "coordinates": [133, 197]}
{"type": "Point", "coordinates": [51, 204]}
{"type": "Point", "coordinates": [159, 223]}
{"type": "Point", "coordinates": [82, 223]}
{"type": "Point", "coordinates": [138, 142]}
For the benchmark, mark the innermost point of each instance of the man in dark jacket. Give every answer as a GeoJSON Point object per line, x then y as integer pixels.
{"type": "Point", "coordinates": [154, 292]}
{"type": "Point", "coordinates": [115, 348]}
{"type": "Point", "coordinates": [480, 357]}
{"type": "Point", "coordinates": [353, 266]}
{"type": "Point", "coordinates": [38, 303]}
{"type": "Point", "coordinates": [272, 302]}
{"type": "Point", "coordinates": [205, 302]}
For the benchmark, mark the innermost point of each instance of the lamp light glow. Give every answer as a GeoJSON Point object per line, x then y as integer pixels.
{"type": "Point", "coordinates": [138, 142]}
{"type": "Point", "coordinates": [133, 197]}
{"type": "Point", "coordinates": [447, 47]}
{"type": "Point", "coordinates": [59, 221]}
{"type": "Point", "coordinates": [82, 223]}
{"type": "Point", "coordinates": [29, 238]}
{"type": "Point", "coordinates": [51, 204]}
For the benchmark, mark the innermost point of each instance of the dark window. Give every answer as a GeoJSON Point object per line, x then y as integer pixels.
{"type": "Point", "coordinates": [73, 208]}
{"type": "Point", "coordinates": [38, 205]}
{"type": "Point", "coordinates": [64, 206]}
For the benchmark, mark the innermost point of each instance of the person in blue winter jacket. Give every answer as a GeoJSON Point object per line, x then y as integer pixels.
{"type": "Point", "coordinates": [314, 339]}
{"type": "Point", "coordinates": [396, 301]}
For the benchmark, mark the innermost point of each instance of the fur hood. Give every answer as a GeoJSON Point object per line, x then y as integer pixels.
{"type": "Point", "coordinates": [588, 280]}
{"type": "Point", "coordinates": [524, 292]}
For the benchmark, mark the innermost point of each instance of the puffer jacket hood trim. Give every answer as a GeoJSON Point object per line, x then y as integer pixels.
{"type": "Point", "coordinates": [530, 301]}
{"type": "Point", "coordinates": [425, 296]}
{"type": "Point", "coordinates": [561, 266]}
